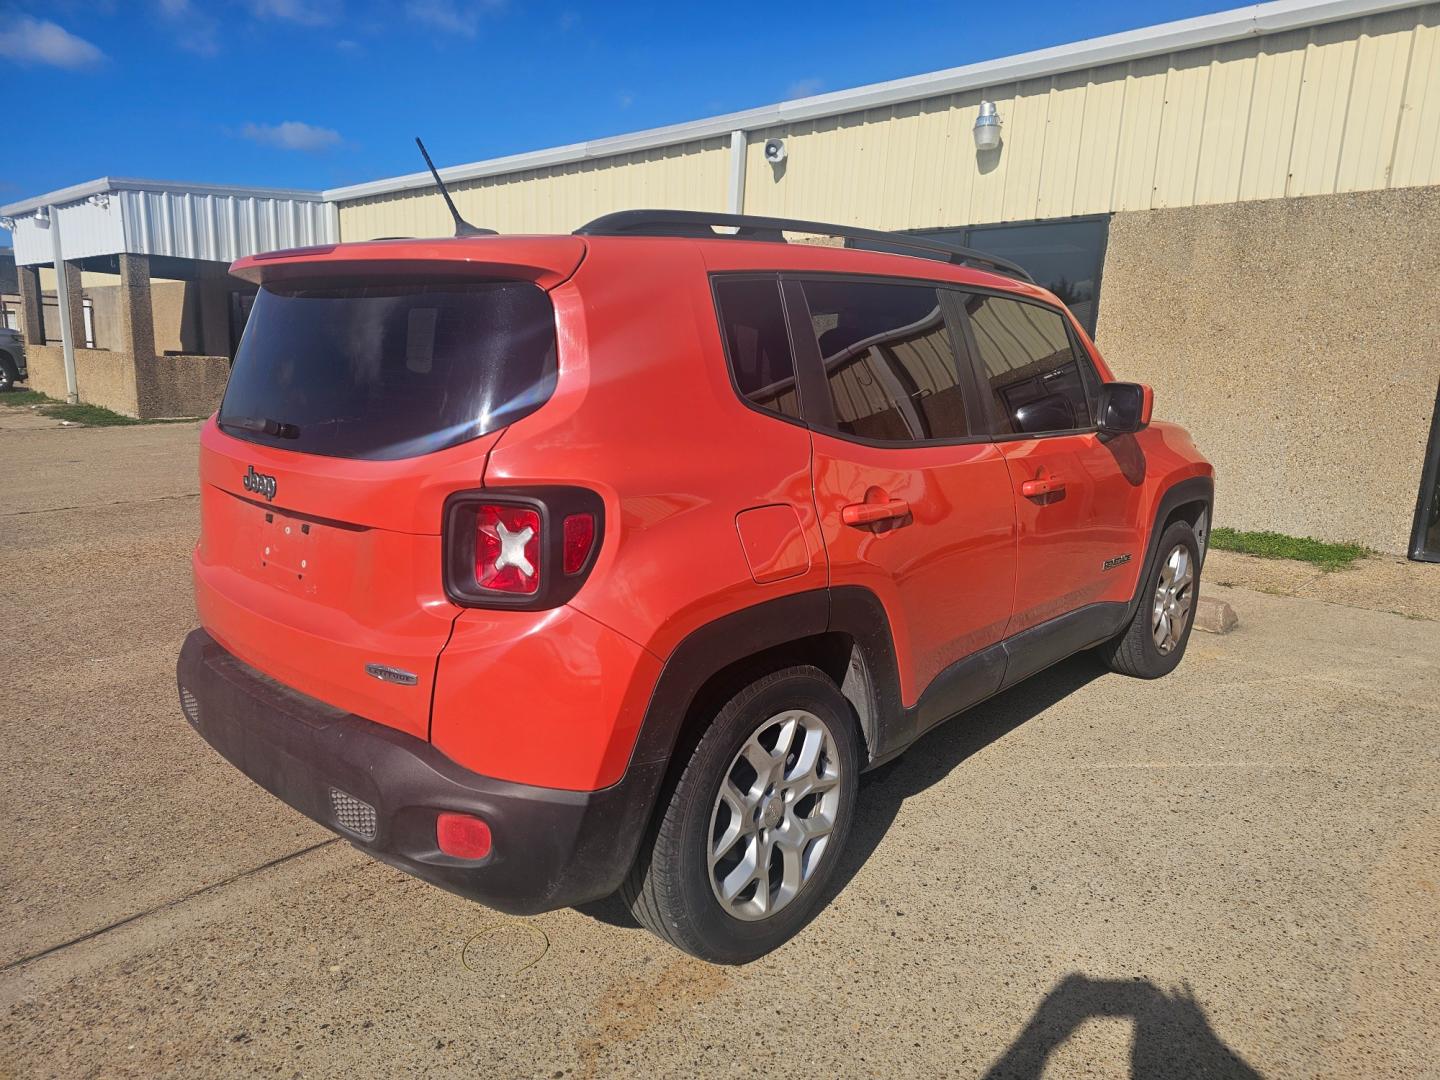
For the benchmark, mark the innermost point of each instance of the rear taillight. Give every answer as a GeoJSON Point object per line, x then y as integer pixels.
{"type": "Point", "coordinates": [507, 548]}
{"type": "Point", "coordinates": [528, 548]}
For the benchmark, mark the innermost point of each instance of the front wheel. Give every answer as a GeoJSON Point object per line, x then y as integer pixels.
{"type": "Point", "coordinates": [747, 847]}
{"type": "Point", "coordinates": [1153, 642]}
{"type": "Point", "coordinates": [9, 373]}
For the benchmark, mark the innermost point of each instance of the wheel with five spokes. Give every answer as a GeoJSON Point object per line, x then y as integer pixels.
{"type": "Point", "coordinates": [746, 849]}
{"type": "Point", "coordinates": [1153, 642]}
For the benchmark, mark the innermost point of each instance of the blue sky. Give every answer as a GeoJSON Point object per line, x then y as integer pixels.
{"type": "Point", "coordinates": [319, 93]}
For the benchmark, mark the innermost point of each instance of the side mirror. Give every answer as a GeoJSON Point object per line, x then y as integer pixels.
{"type": "Point", "coordinates": [1053, 412]}
{"type": "Point", "coordinates": [1124, 408]}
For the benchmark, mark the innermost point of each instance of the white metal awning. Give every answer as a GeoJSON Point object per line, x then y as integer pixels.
{"type": "Point", "coordinates": [156, 217]}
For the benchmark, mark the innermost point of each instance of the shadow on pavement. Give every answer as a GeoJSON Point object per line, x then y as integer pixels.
{"type": "Point", "coordinates": [929, 761]}
{"type": "Point", "coordinates": [1173, 1036]}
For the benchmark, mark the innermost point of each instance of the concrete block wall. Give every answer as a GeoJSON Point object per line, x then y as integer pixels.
{"type": "Point", "coordinates": [1299, 341]}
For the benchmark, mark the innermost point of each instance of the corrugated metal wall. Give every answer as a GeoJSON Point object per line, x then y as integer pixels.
{"type": "Point", "coordinates": [1346, 106]}
{"type": "Point", "coordinates": [221, 228]}
{"type": "Point", "coordinates": [559, 199]}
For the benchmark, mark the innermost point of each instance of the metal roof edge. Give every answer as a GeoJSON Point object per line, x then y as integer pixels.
{"type": "Point", "coordinates": [1255, 19]}
{"type": "Point", "coordinates": [106, 184]}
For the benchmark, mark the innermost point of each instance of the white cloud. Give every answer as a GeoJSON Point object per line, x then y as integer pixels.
{"type": "Point", "coordinates": [38, 41]}
{"type": "Point", "coordinates": [304, 12]}
{"type": "Point", "coordinates": [292, 135]}
{"type": "Point", "coordinates": [452, 16]}
{"type": "Point", "coordinates": [804, 88]}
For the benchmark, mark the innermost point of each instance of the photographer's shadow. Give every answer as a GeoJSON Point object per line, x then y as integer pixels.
{"type": "Point", "coordinates": [1173, 1036]}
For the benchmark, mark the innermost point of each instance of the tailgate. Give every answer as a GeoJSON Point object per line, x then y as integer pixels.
{"type": "Point", "coordinates": [334, 588]}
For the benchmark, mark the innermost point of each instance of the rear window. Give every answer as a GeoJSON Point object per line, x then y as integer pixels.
{"type": "Point", "coordinates": [385, 371]}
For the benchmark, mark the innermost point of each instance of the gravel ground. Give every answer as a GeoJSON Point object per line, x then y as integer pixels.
{"type": "Point", "coordinates": [1232, 871]}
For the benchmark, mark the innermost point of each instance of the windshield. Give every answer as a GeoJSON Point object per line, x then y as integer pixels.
{"type": "Point", "coordinates": [389, 370]}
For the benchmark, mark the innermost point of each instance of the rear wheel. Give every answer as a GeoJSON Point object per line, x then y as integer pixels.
{"type": "Point", "coordinates": [1153, 642]}
{"type": "Point", "coordinates": [9, 373]}
{"type": "Point", "coordinates": [746, 849]}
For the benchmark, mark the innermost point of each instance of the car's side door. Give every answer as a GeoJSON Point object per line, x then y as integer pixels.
{"type": "Point", "coordinates": [1077, 497]}
{"type": "Point", "coordinates": [912, 497]}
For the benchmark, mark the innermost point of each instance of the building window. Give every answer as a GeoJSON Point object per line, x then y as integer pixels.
{"type": "Point", "coordinates": [1065, 257]}
{"type": "Point", "coordinates": [1425, 541]}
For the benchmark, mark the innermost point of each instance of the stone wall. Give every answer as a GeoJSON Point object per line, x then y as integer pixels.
{"type": "Point", "coordinates": [180, 385]}
{"type": "Point", "coordinates": [1299, 341]}
{"type": "Point", "coordinates": [150, 388]}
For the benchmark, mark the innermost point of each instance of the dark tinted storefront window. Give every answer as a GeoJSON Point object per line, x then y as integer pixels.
{"type": "Point", "coordinates": [1425, 544]}
{"type": "Point", "coordinates": [1065, 257]}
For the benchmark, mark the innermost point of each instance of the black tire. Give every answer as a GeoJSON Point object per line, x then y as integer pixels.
{"type": "Point", "coordinates": [1134, 650]}
{"type": "Point", "coordinates": [669, 889]}
{"type": "Point", "coordinates": [9, 373]}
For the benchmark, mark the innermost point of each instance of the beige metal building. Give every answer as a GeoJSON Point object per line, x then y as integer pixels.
{"type": "Point", "coordinates": [1243, 208]}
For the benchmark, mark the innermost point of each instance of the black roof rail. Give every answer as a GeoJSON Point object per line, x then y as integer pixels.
{"type": "Point", "coordinates": [700, 224]}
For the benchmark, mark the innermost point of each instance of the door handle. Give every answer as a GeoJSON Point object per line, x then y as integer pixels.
{"type": "Point", "coordinates": [867, 513]}
{"type": "Point", "coordinates": [1050, 485]}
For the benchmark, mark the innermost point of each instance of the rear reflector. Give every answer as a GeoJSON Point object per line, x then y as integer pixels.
{"type": "Point", "coordinates": [579, 539]}
{"type": "Point", "coordinates": [462, 836]}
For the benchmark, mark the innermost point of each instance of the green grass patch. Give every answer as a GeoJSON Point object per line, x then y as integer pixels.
{"type": "Point", "coordinates": [25, 398]}
{"type": "Point", "coordinates": [89, 415]}
{"type": "Point", "coordinates": [1273, 545]}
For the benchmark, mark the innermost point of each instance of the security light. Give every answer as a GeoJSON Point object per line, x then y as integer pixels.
{"type": "Point", "coordinates": [42, 217]}
{"type": "Point", "coordinates": [987, 127]}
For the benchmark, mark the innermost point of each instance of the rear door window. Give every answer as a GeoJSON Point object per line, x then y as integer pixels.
{"type": "Point", "coordinates": [1039, 382]}
{"type": "Point", "coordinates": [889, 361]}
{"type": "Point", "coordinates": [385, 371]}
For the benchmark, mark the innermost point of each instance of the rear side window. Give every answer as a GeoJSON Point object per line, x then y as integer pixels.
{"type": "Point", "coordinates": [1027, 361]}
{"type": "Point", "coordinates": [757, 343]}
{"type": "Point", "coordinates": [384, 371]}
{"type": "Point", "coordinates": [889, 361]}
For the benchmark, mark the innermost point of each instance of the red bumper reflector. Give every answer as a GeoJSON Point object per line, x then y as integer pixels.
{"type": "Point", "coordinates": [462, 836]}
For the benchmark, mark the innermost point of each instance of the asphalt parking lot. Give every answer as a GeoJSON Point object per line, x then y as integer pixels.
{"type": "Point", "coordinates": [1230, 872]}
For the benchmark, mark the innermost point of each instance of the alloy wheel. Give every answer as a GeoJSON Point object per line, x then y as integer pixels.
{"type": "Point", "coordinates": [1174, 597]}
{"type": "Point", "coordinates": [772, 819]}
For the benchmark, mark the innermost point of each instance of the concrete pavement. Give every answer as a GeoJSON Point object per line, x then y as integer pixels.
{"type": "Point", "coordinates": [1232, 871]}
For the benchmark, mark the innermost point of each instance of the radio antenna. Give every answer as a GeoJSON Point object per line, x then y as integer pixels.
{"type": "Point", "coordinates": [462, 227]}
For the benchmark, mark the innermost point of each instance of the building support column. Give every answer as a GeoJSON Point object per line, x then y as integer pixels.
{"type": "Point", "coordinates": [32, 305]}
{"type": "Point", "coordinates": [214, 285]}
{"type": "Point", "coordinates": [136, 317]}
{"type": "Point", "coordinates": [736, 192]}
{"type": "Point", "coordinates": [67, 300]}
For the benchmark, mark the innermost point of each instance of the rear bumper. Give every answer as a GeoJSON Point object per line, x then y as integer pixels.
{"type": "Point", "coordinates": [551, 848]}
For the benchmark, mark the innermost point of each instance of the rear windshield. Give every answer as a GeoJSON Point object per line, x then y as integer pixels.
{"type": "Point", "coordinates": [389, 370]}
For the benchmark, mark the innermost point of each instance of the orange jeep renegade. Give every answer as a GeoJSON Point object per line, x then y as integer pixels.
{"type": "Point", "coordinates": [545, 567]}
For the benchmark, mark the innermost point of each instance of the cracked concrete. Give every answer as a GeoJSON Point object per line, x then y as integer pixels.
{"type": "Point", "coordinates": [1228, 872]}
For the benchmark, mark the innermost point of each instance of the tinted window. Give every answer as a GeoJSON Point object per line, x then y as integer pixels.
{"type": "Point", "coordinates": [757, 342]}
{"type": "Point", "coordinates": [389, 370]}
{"type": "Point", "coordinates": [888, 361]}
{"type": "Point", "coordinates": [1026, 358]}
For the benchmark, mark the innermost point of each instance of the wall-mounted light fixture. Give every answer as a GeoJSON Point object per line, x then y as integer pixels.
{"type": "Point", "coordinates": [7, 223]}
{"type": "Point", "coordinates": [987, 127]}
{"type": "Point", "coordinates": [42, 217]}
{"type": "Point", "coordinates": [101, 200]}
